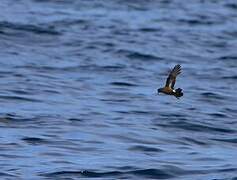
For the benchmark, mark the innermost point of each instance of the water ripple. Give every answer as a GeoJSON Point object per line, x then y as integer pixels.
{"type": "Point", "coordinates": [79, 86]}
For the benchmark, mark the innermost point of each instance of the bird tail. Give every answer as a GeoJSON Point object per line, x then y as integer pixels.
{"type": "Point", "coordinates": [178, 93]}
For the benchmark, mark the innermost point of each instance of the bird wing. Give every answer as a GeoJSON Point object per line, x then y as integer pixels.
{"type": "Point", "coordinates": [170, 82]}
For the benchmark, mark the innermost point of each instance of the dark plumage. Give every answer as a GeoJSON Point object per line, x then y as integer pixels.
{"type": "Point", "coordinates": [170, 82]}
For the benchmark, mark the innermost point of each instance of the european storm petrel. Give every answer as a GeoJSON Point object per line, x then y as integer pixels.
{"type": "Point", "coordinates": [170, 82]}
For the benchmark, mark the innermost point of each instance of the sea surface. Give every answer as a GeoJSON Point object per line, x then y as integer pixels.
{"type": "Point", "coordinates": [78, 89]}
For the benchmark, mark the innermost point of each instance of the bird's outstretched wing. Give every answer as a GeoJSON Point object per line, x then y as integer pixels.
{"type": "Point", "coordinates": [170, 82]}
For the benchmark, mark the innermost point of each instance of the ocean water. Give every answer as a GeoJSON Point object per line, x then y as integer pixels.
{"type": "Point", "coordinates": [78, 89]}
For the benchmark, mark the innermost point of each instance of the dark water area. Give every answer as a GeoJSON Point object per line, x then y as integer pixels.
{"type": "Point", "coordinates": [79, 81]}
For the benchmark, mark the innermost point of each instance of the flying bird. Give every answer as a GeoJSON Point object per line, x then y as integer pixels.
{"type": "Point", "coordinates": [170, 82]}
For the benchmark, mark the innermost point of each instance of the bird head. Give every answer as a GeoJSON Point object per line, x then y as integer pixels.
{"type": "Point", "coordinates": [159, 90]}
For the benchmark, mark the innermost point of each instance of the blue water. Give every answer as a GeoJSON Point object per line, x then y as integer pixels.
{"type": "Point", "coordinates": [78, 89]}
